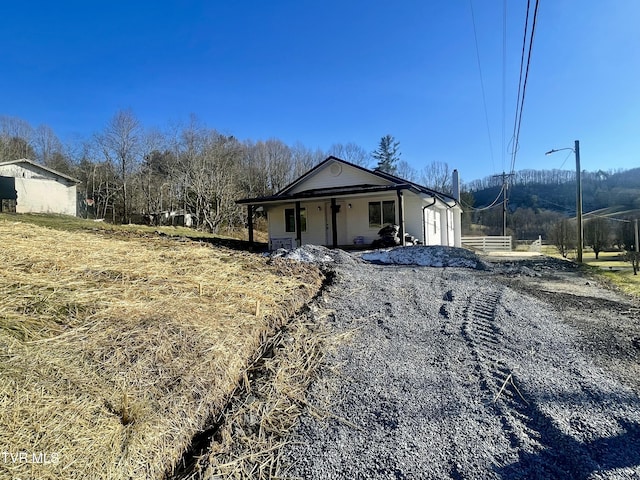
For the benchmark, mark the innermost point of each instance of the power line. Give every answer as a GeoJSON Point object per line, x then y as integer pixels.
{"type": "Point", "coordinates": [564, 207]}
{"type": "Point", "coordinates": [522, 84]}
{"type": "Point", "coordinates": [484, 99]}
{"type": "Point", "coordinates": [524, 44]}
{"type": "Point", "coordinates": [504, 80]}
{"type": "Point", "coordinates": [613, 219]}
{"type": "Point", "coordinates": [493, 204]}
{"type": "Point", "coordinates": [526, 78]}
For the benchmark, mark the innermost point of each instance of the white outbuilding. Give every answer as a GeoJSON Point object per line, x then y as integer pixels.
{"type": "Point", "coordinates": [28, 187]}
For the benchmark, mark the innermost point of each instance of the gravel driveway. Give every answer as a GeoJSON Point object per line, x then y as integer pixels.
{"type": "Point", "coordinates": [510, 370]}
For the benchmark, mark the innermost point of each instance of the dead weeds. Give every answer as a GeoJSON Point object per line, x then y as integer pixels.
{"type": "Point", "coordinates": [115, 351]}
{"type": "Point", "coordinates": [251, 433]}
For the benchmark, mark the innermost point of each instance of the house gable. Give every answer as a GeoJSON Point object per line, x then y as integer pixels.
{"type": "Point", "coordinates": [334, 173]}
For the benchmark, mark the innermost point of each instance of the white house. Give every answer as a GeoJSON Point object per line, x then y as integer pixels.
{"type": "Point", "coordinates": [33, 188]}
{"type": "Point", "coordinates": [339, 204]}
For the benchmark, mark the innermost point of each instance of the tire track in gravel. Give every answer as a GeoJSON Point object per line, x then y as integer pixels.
{"type": "Point", "coordinates": [418, 391]}
{"type": "Point", "coordinates": [496, 378]}
{"type": "Point", "coordinates": [528, 430]}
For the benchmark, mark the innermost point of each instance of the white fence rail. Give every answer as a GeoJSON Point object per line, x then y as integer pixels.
{"type": "Point", "coordinates": [488, 244]}
{"type": "Point", "coordinates": [536, 245]}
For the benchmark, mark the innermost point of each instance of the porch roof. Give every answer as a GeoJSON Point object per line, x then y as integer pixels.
{"type": "Point", "coordinates": [349, 191]}
{"type": "Point", "coordinates": [327, 193]}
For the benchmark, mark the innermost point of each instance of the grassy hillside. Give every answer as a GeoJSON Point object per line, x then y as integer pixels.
{"type": "Point", "coordinates": [115, 349]}
{"type": "Point", "coordinates": [70, 224]}
{"type": "Point", "coordinates": [610, 265]}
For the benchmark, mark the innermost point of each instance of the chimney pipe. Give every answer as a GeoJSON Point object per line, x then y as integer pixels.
{"type": "Point", "coordinates": [456, 185]}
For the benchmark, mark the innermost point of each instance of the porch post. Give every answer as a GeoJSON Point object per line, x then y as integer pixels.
{"type": "Point", "coordinates": [401, 216]}
{"type": "Point", "coordinates": [298, 225]}
{"type": "Point", "coordinates": [250, 222]}
{"type": "Point", "coordinates": [334, 223]}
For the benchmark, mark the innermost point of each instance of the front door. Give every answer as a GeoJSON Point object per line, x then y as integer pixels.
{"type": "Point", "coordinates": [432, 235]}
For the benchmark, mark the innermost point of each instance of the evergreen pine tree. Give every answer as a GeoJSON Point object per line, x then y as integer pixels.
{"type": "Point", "coordinates": [387, 154]}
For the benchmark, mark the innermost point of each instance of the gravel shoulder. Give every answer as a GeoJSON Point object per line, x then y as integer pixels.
{"type": "Point", "coordinates": [514, 369]}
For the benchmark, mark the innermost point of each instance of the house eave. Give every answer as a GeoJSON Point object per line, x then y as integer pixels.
{"type": "Point", "coordinates": [42, 167]}
{"type": "Point", "coordinates": [355, 191]}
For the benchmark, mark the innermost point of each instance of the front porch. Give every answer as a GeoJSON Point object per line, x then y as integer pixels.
{"type": "Point", "coordinates": [338, 221]}
{"type": "Point", "coordinates": [338, 204]}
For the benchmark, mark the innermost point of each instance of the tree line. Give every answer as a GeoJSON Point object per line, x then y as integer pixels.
{"type": "Point", "coordinates": [552, 177]}
{"type": "Point", "coordinates": [128, 171]}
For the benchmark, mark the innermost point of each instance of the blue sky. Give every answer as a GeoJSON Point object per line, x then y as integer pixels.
{"type": "Point", "coordinates": [336, 71]}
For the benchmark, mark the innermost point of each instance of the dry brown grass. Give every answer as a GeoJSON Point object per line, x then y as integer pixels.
{"type": "Point", "coordinates": [115, 350]}
{"type": "Point", "coordinates": [264, 411]}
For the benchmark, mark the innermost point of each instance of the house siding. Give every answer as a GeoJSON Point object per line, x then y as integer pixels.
{"type": "Point", "coordinates": [430, 218]}
{"type": "Point", "coordinates": [433, 226]}
{"type": "Point", "coordinates": [346, 176]}
{"type": "Point", "coordinates": [352, 222]}
{"type": "Point", "coordinates": [358, 217]}
{"type": "Point", "coordinates": [413, 221]}
{"type": "Point", "coordinates": [314, 234]}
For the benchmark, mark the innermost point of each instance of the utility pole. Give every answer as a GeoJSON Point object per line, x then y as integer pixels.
{"type": "Point", "coordinates": [576, 151]}
{"type": "Point", "coordinates": [578, 199]}
{"type": "Point", "coordinates": [636, 225]}
{"type": "Point", "coordinates": [505, 186]}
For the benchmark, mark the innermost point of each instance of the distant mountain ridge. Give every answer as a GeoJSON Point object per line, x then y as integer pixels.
{"type": "Point", "coordinates": [613, 193]}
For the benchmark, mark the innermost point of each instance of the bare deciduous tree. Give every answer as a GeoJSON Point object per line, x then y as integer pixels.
{"type": "Point", "coordinates": [47, 145]}
{"type": "Point", "coordinates": [120, 145]}
{"type": "Point", "coordinates": [210, 174]}
{"type": "Point", "coordinates": [597, 234]}
{"type": "Point", "coordinates": [437, 176]}
{"type": "Point", "coordinates": [16, 139]}
{"type": "Point", "coordinates": [563, 236]}
{"type": "Point", "coordinates": [351, 152]}
{"type": "Point", "coordinates": [406, 171]}
{"type": "Point", "coordinates": [278, 161]}
{"type": "Point", "coordinates": [304, 159]}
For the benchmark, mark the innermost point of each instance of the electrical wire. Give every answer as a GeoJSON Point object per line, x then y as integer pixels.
{"type": "Point", "coordinates": [526, 78]}
{"type": "Point", "coordinates": [484, 98]}
{"type": "Point", "coordinates": [504, 80]}
{"type": "Point", "coordinates": [514, 143]}
{"type": "Point", "coordinates": [493, 204]}
{"type": "Point", "coordinates": [565, 160]}
{"type": "Point", "coordinates": [613, 219]}
{"type": "Point", "coordinates": [522, 84]}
